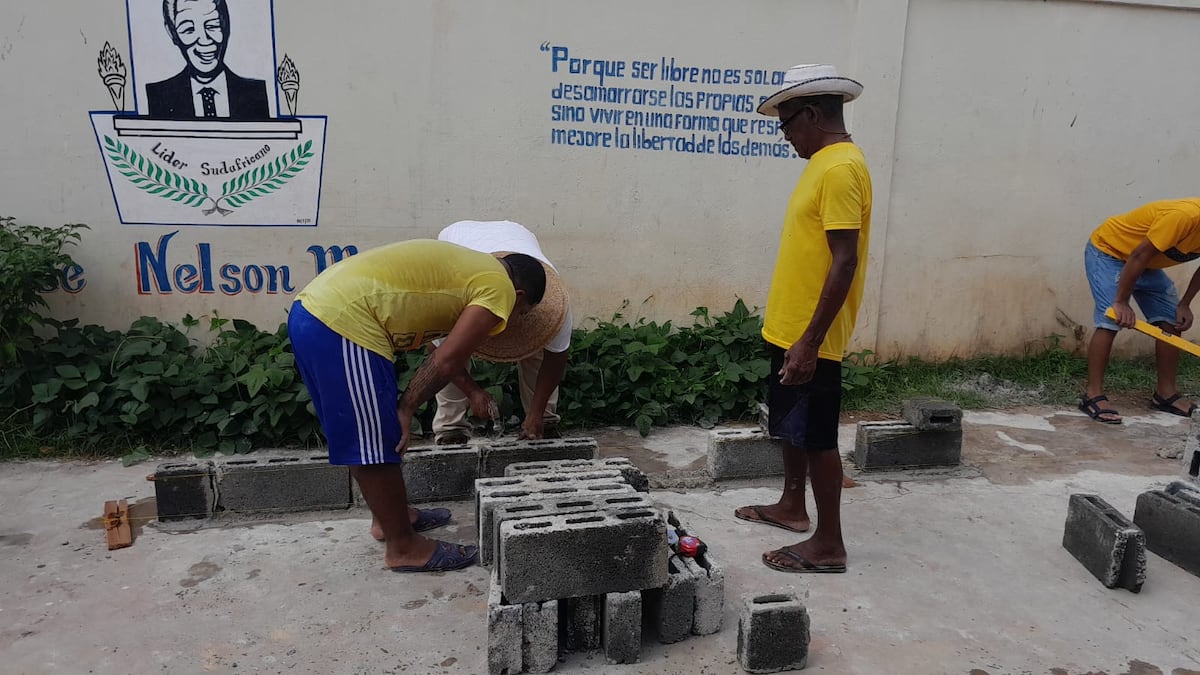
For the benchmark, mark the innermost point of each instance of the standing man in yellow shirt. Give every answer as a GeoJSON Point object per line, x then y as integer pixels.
{"type": "Point", "coordinates": [1125, 258]}
{"type": "Point", "coordinates": [346, 327]}
{"type": "Point", "coordinates": [811, 310]}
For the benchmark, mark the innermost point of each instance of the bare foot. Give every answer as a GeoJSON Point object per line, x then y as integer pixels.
{"type": "Point", "coordinates": [417, 551]}
{"type": "Point", "coordinates": [848, 482]}
{"type": "Point", "coordinates": [377, 531]}
{"type": "Point", "coordinates": [807, 556]}
{"type": "Point", "coordinates": [776, 516]}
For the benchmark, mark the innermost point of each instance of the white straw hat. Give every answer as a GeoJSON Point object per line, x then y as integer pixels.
{"type": "Point", "coordinates": [812, 79]}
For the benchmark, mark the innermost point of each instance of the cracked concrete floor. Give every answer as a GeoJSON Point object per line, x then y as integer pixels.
{"type": "Point", "coordinates": [947, 574]}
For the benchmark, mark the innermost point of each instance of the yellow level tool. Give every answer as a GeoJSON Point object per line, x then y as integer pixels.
{"type": "Point", "coordinates": [1160, 334]}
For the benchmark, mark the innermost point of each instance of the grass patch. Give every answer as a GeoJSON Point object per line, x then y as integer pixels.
{"type": "Point", "coordinates": [1052, 377]}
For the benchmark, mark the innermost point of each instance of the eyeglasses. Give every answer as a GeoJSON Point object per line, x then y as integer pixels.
{"type": "Point", "coordinates": [784, 124]}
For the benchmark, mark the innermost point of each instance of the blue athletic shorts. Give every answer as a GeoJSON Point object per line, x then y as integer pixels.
{"type": "Point", "coordinates": [353, 390]}
{"type": "Point", "coordinates": [1154, 291]}
{"type": "Point", "coordinates": [805, 416]}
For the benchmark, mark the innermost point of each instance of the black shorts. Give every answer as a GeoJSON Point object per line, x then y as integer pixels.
{"type": "Point", "coordinates": [805, 415]}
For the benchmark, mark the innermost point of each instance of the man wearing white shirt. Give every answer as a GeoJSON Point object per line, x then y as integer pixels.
{"type": "Point", "coordinates": [541, 362]}
{"type": "Point", "coordinates": [205, 88]}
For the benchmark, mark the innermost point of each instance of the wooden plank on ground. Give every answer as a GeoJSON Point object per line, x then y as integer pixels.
{"type": "Point", "coordinates": [116, 524]}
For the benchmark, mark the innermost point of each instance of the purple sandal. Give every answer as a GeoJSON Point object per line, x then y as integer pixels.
{"type": "Point", "coordinates": [428, 519]}
{"type": "Point", "coordinates": [446, 557]}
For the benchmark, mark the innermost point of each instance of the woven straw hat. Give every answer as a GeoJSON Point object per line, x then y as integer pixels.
{"type": "Point", "coordinates": [527, 335]}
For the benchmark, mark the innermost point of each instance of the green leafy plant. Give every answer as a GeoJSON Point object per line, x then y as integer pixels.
{"type": "Point", "coordinates": [30, 260]}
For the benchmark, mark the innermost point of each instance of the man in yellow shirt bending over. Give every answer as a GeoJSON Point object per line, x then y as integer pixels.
{"type": "Point", "coordinates": [346, 327]}
{"type": "Point", "coordinates": [811, 310]}
{"type": "Point", "coordinates": [1125, 258]}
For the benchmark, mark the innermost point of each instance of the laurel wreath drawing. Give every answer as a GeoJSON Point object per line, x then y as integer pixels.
{"type": "Point", "coordinates": [242, 189]}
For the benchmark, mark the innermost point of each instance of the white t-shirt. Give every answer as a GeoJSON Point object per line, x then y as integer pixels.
{"type": "Point", "coordinates": [504, 235]}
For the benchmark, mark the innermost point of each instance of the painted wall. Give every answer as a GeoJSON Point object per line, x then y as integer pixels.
{"type": "Point", "coordinates": [999, 133]}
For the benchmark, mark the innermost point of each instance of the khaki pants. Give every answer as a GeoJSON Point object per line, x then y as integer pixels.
{"type": "Point", "coordinates": [452, 406]}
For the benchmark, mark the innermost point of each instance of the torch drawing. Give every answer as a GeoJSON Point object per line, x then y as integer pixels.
{"type": "Point", "coordinates": [289, 82]}
{"type": "Point", "coordinates": [112, 71]}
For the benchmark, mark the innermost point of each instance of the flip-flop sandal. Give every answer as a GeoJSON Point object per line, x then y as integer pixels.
{"type": "Point", "coordinates": [428, 519]}
{"type": "Point", "coordinates": [806, 565]}
{"type": "Point", "coordinates": [1088, 405]}
{"type": "Point", "coordinates": [446, 557]}
{"type": "Point", "coordinates": [762, 518]}
{"type": "Point", "coordinates": [1168, 405]}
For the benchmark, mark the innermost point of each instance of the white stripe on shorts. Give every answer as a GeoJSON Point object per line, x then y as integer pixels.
{"type": "Point", "coordinates": [362, 397]}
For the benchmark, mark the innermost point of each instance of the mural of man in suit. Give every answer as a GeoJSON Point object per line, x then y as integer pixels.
{"type": "Point", "coordinates": [205, 88]}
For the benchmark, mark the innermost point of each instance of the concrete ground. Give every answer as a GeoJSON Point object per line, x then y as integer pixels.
{"type": "Point", "coordinates": [954, 573]}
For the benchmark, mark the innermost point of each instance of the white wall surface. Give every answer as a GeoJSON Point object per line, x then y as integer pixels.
{"type": "Point", "coordinates": [999, 133]}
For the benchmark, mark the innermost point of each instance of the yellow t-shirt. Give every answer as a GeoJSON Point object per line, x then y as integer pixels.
{"type": "Point", "coordinates": [834, 193]}
{"type": "Point", "coordinates": [400, 296]}
{"type": "Point", "coordinates": [1172, 225]}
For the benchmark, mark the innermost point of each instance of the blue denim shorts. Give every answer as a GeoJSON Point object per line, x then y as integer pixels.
{"type": "Point", "coordinates": [1154, 291]}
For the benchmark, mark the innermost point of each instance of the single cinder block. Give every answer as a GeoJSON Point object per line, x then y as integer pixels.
{"type": "Point", "coordinates": [773, 633]}
{"type": "Point", "coordinates": [894, 445]}
{"type": "Point", "coordinates": [184, 490]}
{"type": "Point", "coordinates": [493, 492]}
{"type": "Point", "coordinates": [1191, 453]}
{"type": "Point", "coordinates": [580, 623]}
{"type": "Point", "coordinates": [743, 453]}
{"type": "Point", "coordinates": [710, 593]}
{"type": "Point", "coordinates": [281, 483]}
{"type": "Point", "coordinates": [441, 473]}
{"type": "Point", "coordinates": [573, 555]}
{"type": "Point", "coordinates": [1172, 526]}
{"type": "Point", "coordinates": [631, 473]}
{"type": "Point", "coordinates": [505, 630]}
{"type": "Point", "coordinates": [670, 609]}
{"type": "Point", "coordinates": [1105, 542]}
{"type": "Point", "coordinates": [1188, 492]}
{"type": "Point", "coordinates": [764, 417]}
{"type": "Point", "coordinates": [622, 627]}
{"type": "Point", "coordinates": [539, 644]}
{"type": "Point", "coordinates": [534, 505]}
{"type": "Point", "coordinates": [494, 457]}
{"type": "Point", "coordinates": [932, 414]}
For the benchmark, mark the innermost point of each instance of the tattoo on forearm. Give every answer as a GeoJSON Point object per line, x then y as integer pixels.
{"type": "Point", "coordinates": [425, 383]}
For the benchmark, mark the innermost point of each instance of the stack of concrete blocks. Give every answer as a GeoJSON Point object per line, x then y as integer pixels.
{"type": "Point", "coordinates": [1170, 519]}
{"type": "Point", "coordinates": [1105, 542]}
{"type": "Point", "coordinates": [929, 436]}
{"type": "Point", "coordinates": [575, 549]}
{"type": "Point", "coordinates": [773, 633]}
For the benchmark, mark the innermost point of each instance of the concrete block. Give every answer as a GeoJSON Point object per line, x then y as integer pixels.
{"type": "Point", "coordinates": [670, 610]}
{"type": "Point", "coordinates": [573, 555]}
{"type": "Point", "coordinates": [764, 417]}
{"type": "Point", "coordinates": [1105, 542]}
{"type": "Point", "coordinates": [539, 641]}
{"type": "Point", "coordinates": [492, 492]}
{"type": "Point", "coordinates": [743, 453]}
{"type": "Point", "coordinates": [710, 593]}
{"type": "Point", "coordinates": [580, 623]}
{"type": "Point", "coordinates": [932, 414]}
{"type": "Point", "coordinates": [1186, 491]}
{"type": "Point", "coordinates": [1172, 526]}
{"type": "Point", "coordinates": [505, 630]}
{"type": "Point", "coordinates": [622, 627]}
{"type": "Point", "coordinates": [496, 456]}
{"type": "Point", "coordinates": [534, 505]}
{"type": "Point", "coordinates": [184, 490]}
{"type": "Point", "coordinates": [633, 475]}
{"type": "Point", "coordinates": [892, 445]}
{"type": "Point", "coordinates": [1191, 453]}
{"type": "Point", "coordinates": [441, 473]}
{"type": "Point", "coordinates": [281, 483]}
{"type": "Point", "coordinates": [773, 633]}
